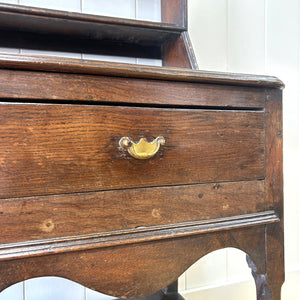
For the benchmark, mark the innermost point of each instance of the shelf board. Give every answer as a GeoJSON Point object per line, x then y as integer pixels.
{"type": "Point", "coordinates": [79, 66]}
{"type": "Point", "coordinates": [49, 29]}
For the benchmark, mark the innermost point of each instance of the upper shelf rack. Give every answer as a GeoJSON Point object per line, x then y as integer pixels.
{"type": "Point", "coordinates": [47, 29]}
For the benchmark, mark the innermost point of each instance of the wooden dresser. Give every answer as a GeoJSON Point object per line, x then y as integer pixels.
{"type": "Point", "coordinates": [120, 177]}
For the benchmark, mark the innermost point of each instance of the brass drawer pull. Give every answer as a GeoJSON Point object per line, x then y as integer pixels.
{"type": "Point", "coordinates": [142, 149]}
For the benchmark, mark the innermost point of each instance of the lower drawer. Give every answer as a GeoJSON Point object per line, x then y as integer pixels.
{"type": "Point", "coordinates": [45, 217]}
{"type": "Point", "coordinates": [62, 149]}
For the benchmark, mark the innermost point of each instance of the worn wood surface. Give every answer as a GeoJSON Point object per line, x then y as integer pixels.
{"type": "Point", "coordinates": [179, 53]}
{"type": "Point", "coordinates": [269, 281]}
{"type": "Point", "coordinates": [50, 149]}
{"type": "Point", "coordinates": [38, 28]}
{"type": "Point", "coordinates": [274, 193]}
{"type": "Point", "coordinates": [74, 88]}
{"type": "Point", "coordinates": [274, 148]}
{"type": "Point", "coordinates": [37, 19]}
{"type": "Point", "coordinates": [48, 240]}
{"type": "Point", "coordinates": [34, 218]}
{"type": "Point", "coordinates": [134, 71]}
{"type": "Point", "coordinates": [174, 12]}
{"type": "Point", "coordinates": [72, 204]}
{"type": "Point", "coordinates": [137, 235]}
{"type": "Point", "coordinates": [262, 290]}
{"type": "Point", "coordinates": [121, 270]}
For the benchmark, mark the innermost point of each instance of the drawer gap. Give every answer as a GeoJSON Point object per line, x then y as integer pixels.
{"type": "Point", "coordinates": [127, 104]}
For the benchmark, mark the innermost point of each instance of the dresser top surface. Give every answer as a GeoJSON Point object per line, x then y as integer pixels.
{"type": "Point", "coordinates": [81, 66]}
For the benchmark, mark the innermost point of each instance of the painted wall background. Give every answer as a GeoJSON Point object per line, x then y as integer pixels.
{"type": "Point", "coordinates": [248, 36]}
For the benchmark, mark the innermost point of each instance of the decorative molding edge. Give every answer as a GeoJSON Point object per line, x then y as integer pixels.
{"type": "Point", "coordinates": [79, 66]}
{"type": "Point", "coordinates": [136, 235]}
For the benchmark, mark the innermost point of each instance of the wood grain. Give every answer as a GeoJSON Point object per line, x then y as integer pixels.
{"type": "Point", "coordinates": [72, 88]}
{"type": "Point", "coordinates": [121, 270]}
{"type": "Point", "coordinates": [86, 242]}
{"type": "Point", "coordinates": [179, 53]}
{"type": "Point", "coordinates": [274, 146]}
{"type": "Point", "coordinates": [50, 149]}
{"type": "Point", "coordinates": [32, 14]}
{"type": "Point", "coordinates": [72, 204]}
{"type": "Point", "coordinates": [18, 19]}
{"type": "Point", "coordinates": [174, 12]}
{"type": "Point", "coordinates": [274, 193]}
{"type": "Point", "coordinates": [15, 61]}
{"type": "Point", "coordinates": [35, 218]}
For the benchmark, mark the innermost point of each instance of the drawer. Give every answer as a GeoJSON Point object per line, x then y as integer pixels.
{"type": "Point", "coordinates": [59, 149]}
{"type": "Point", "coordinates": [126, 211]}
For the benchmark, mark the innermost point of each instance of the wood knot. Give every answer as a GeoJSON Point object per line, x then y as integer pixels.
{"type": "Point", "coordinates": [216, 186]}
{"type": "Point", "coordinates": [47, 226]}
{"type": "Point", "coordinates": [156, 213]}
{"type": "Point", "coordinates": [225, 206]}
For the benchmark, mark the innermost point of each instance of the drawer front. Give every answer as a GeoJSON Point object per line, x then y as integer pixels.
{"type": "Point", "coordinates": [43, 217]}
{"type": "Point", "coordinates": [52, 149]}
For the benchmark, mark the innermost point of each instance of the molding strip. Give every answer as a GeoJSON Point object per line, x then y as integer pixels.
{"type": "Point", "coordinates": [137, 235]}
{"type": "Point", "coordinates": [79, 66]}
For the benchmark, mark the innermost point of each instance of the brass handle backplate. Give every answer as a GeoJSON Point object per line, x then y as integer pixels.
{"type": "Point", "coordinates": [142, 149]}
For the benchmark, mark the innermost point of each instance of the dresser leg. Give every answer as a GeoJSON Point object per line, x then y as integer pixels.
{"type": "Point", "coordinates": [168, 293]}
{"type": "Point", "coordinates": [268, 286]}
{"type": "Point", "coordinates": [174, 296]}
{"type": "Point", "coordinates": [171, 292]}
{"type": "Point", "coordinates": [262, 290]}
{"type": "Point", "coordinates": [275, 258]}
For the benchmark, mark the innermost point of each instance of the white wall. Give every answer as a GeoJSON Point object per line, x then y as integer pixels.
{"type": "Point", "coordinates": [249, 36]}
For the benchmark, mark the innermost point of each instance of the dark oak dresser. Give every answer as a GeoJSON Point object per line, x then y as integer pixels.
{"type": "Point", "coordinates": [120, 177]}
